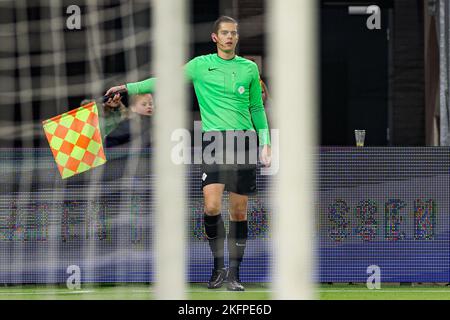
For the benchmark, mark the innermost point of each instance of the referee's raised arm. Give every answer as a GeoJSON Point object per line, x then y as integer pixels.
{"type": "Point", "coordinates": [148, 85]}
{"type": "Point", "coordinates": [142, 87]}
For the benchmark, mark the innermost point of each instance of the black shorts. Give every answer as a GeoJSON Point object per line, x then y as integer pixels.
{"type": "Point", "coordinates": [232, 164]}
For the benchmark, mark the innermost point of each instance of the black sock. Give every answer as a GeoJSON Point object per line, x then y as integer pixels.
{"type": "Point", "coordinates": [215, 231]}
{"type": "Point", "coordinates": [237, 240]}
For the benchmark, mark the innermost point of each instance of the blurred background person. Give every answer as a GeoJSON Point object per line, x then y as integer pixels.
{"type": "Point", "coordinates": [111, 113]}
{"type": "Point", "coordinates": [133, 128]}
{"type": "Point", "coordinates": [120, 125]}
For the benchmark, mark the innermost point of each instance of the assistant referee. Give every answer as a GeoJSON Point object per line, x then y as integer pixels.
{"type": "Point", "coordinates": [228, 91]}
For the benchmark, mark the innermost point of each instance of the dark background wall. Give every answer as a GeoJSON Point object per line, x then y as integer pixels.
{"type": "Point", "coordinates": [354, 77]}
{"type": "Point", "coordinates": [408, 91]}
{"type": "Point", "coordinates": [373, 80]}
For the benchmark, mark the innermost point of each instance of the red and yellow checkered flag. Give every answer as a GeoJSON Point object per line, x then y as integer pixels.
{"type": "Point", "coordinates": [75, 140]}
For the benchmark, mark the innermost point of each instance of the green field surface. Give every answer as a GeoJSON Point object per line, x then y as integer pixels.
{"type": "Point", "coordinates": [387, 292]}
{"type": "Point", "coordinates": [198, 291]}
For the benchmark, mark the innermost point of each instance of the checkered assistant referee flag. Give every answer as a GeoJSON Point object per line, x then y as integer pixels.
{"type": "Point", "coordinates": [75, 140]}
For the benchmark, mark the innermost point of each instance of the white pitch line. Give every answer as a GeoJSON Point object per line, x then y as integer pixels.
{"type": "Point", "coordinates": [43, 293]}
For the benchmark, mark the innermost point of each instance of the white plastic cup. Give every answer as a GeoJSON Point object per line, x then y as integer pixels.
{"type": "Point", "coordinates": [360, 136]}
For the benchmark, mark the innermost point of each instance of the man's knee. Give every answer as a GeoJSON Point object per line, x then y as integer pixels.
{"type": "Point", "coordinates": [238, 212]}
{"type": "Point", "coordinates": [239, 216]}
{"type": "Point", "coordinates": [212, 208]}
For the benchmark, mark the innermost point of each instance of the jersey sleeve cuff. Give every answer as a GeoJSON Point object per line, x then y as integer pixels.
{"type": "Point", "coordinates": [132, 88]}
{"type": "Point", "coordinates": [264, 137]}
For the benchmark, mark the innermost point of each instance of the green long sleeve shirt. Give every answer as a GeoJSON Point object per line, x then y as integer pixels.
{"type": "Point", "coordinates": [228, 93]}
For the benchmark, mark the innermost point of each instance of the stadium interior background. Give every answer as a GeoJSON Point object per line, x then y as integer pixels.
{"type": "Point", "coordinates": [382, 72]}
{"type": "Point", "coordinates": [389, 205]}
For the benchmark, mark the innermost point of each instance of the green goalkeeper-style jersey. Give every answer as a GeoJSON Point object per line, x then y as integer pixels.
{"type": "Point", "coordinates": [228, 93]}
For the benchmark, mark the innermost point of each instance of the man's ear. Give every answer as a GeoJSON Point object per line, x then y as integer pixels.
{"type": "Point", "coordinates": [214, 37]}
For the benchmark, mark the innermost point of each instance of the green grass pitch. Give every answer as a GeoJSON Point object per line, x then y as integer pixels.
{"type": "Point", "coordinates": [198, 291]}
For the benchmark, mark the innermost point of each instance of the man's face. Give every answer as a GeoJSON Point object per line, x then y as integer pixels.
{"type": "Point", "coordinates": [143, 105]}
{"type": "Point", "coordinates": [227, 37]}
